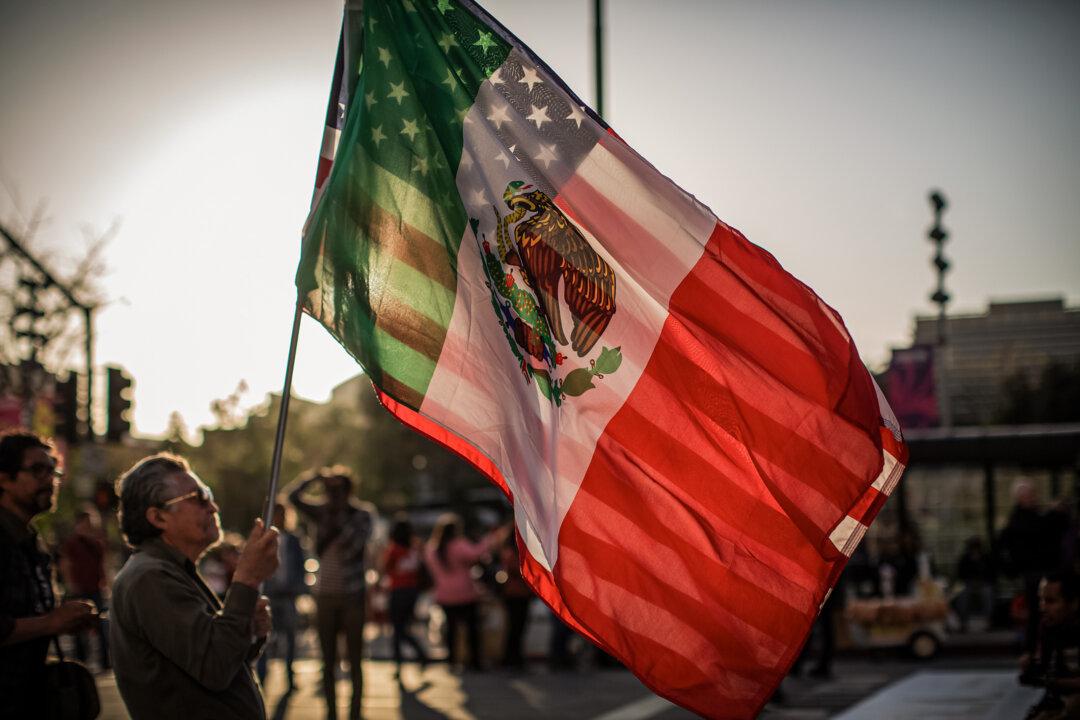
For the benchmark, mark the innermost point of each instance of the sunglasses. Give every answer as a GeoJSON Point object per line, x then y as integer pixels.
{"type": "Point", "coordinates": [42, 471]}
{"type": "Point", "coordinates": [201, 493]}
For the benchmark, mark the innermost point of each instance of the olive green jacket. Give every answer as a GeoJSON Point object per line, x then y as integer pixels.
{"type": "Point", "coordinates": [177, 651]}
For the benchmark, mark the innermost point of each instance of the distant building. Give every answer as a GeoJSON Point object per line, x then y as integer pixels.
{"type": "Point", "coordinates": [983, 351]}
{"type": "Point", "coordinates": [959, 479]}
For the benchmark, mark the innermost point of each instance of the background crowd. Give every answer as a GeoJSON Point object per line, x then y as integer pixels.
{"type": "Point", "coordinates": [432, 587]}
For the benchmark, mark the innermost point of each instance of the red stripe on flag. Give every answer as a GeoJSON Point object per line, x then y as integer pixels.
{"type": "Point", "coordinates": [648, 634]}
{"type": "Point", "coordinates": [323, 171]}
{"type": "Point", "coordinates": [699, 469]}
{"type": "Point", "coordinates": [894, 447]}
{"type": "Point", "coordinates": [816, 323]}
{"type": "Point", "coordinates": [868, 506]}
{"type": "Point", "coordinates": [690, 579]}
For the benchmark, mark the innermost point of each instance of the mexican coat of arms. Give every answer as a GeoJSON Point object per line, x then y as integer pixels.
{"type": "Point", "coordinates": [538, 251]}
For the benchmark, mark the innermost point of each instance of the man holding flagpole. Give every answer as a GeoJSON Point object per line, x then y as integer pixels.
{"type": "Point", "coordinates": [178, 652]}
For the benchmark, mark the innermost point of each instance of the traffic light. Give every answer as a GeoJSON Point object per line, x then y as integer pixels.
{"type": "Point", "coordinates": [118, 420]}
{"type": "Point", "coordinates": [66, 409]}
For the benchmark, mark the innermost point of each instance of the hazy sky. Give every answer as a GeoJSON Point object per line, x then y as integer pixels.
{"type": "Point", "coordinates": [815, 127]}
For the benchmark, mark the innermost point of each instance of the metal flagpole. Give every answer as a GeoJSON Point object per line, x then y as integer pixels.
{"type": "Point", "coordinates": [335, 102]}
{"type": "Point", "coordinates": [598, 48]}
{"type": "Point", "coordinates": [283, 416]}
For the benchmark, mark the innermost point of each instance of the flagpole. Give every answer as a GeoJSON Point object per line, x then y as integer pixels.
{"type": "Point", "coordinates": [283, 415]}
{"type": "Point", "coordinates": [598, 48]}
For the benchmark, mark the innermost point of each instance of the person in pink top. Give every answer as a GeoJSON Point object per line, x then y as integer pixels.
{"type": "Point", "coordinates": [450, 557]}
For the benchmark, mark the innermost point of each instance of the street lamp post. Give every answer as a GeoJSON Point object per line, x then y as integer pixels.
{"type": "Point", "coordinates": [938, 235]}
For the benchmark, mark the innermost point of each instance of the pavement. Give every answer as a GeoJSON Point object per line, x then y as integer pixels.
{"type": "Point", "coordinates": [860, 689]}
{"type": "Point", "coordinates": [974, 677]}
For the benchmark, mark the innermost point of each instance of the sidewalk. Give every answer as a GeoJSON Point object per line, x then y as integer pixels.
{"type": "Point", "coordinates": [438, 694]}
{"type": "Point", "coordinates": [866, 676]}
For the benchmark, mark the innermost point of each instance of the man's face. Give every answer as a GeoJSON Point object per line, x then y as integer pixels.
{"type": "Point", "coordinates": [35, 484]}
{"type": "Point", "coordinates": [1056, 610]}
{"type": "Point", "coordinates": [190, 516]}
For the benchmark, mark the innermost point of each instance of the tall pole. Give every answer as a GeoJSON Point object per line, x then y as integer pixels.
{"type": "Point", "coordinates": [88, 318]}
{"type": "Point", "coordinates": [938, 235]}
{"type": "Point", "coordinates": [283, 415]}
{"type": "Point", "coordinates": [598, 46]}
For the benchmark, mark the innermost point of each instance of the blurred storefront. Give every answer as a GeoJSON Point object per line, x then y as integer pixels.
{"type": "Point", "coordinates": [1012, 377]}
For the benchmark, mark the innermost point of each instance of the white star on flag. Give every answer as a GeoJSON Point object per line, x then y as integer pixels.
{"type": "Point", "coordinates": [450, 80]}
{"type": "Point", "coordinates": [384, 57]}
{"type": "Point", "coordinates": [547, 155]}
{"type": "Point", "coordinates": [484, 41]}
{"type": "Point", "coordinates": [530, 78]}
{"type": "Point", "coordinates": [447, 41]}
{"type": "Point", "coordinates": [539, 116]}
{"type": "Point", "coordinates": [499, 114]}
{"type": "Point", "coordinates": [479, 198]}
{"type": "Point", "coordinates": [576, 115]}
{"type": "Point", "coordinates": [420, 164]}
{"type": "Point", "coordinates": [377, 135]}
{"type": "Point", "coordinates": [502, 156]}
{"type": "Point", "coordinates": [369, 99]}
{"type": "Point", "coordinates": [410, 128]}
{"type": "Point", "coordinates": [398, 92]}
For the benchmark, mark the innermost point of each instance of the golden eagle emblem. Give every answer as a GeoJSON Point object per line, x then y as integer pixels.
{"type": "Point", "coordinates": [546, 251]}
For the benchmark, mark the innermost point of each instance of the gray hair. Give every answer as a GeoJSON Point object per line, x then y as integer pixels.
{"type": "Point", "coordinates": [146, 485]}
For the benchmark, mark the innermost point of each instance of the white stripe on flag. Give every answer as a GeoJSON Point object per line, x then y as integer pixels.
{"type": "Point", "coordinates": [891, 470]}
{"type": "Point", "coordinates": [331, 137]}
{"type": "Point", "coordinates": [847, 534]}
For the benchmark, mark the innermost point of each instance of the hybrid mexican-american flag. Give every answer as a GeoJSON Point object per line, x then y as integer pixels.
{"type": "Point", "coordinates": [690, 442]}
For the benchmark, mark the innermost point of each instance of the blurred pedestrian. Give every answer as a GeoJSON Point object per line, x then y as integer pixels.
{"type": "Point", "coordinates": [402, 565]}
{"type": "Point", "coordinates": [283, 588]}
{"type": "Point", "coordinates": [975, 571]}
{"type": "Point", "coordinates": [450, 557]}
{"type": "Point", "coordinates": [82, 565]}
{"type": "Point", "coordinates": [29, 615]}
{"type": "Point", "coordinates": [179, 653]}
{"type": "Point", "coordinates": [516, 596]}
{"type": "Point", "coordinates": [899, 562]}
{"type": "Point", "coordinates": [824, 630]}
{"type": "Point", "coordinates": [1055, 663]}
{"type": "Point", "coordinates": [560, 655]}
{"type": "Point", "coordinates": [1029, 549]}
{"type": "Point", "coordinates": [343, 527]}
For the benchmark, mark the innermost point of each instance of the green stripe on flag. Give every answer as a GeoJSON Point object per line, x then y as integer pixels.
{"type": "Point", "coordinates": [416, 291]}
{"type": "Point", "coordinates": [397, 236]}
{"type": "Point", "coordinates": [389, 222]}
{"type": "Point", "coordinates": [409, 366]}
